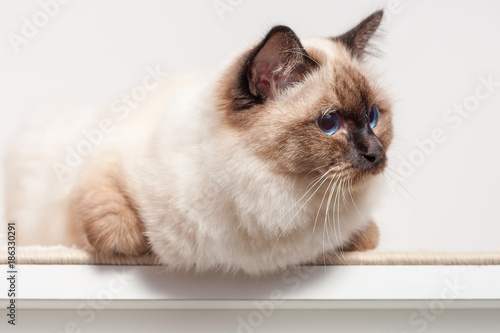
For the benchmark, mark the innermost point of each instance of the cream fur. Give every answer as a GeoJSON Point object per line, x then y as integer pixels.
{"type": "Point", "coordinates": [206, 200]}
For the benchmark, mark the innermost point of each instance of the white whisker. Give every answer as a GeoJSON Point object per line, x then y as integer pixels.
{"type": "Point", "coordinates": [395, 185]}
{"type": "Point", "coordinates": [298, 211]}
{"type": "Point", "coordinates": [321, 205]}
{"type": "Point", "coordinates": [302, 197]}
{"type": "Point", "coordinates": [349, 186]}
{"type": "Point", "coordinates": [325, 227]}
{"type": "Point", "coordinates": [336, 222]}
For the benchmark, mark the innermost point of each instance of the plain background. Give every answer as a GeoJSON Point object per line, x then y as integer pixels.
{"type": "Point", "coordinates": [90, 52]}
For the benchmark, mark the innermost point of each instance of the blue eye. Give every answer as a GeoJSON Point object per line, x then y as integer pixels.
{"type": "Point", "coordinates": [329, 123]}
{"type": "Point", "coordinates": [373, 116]}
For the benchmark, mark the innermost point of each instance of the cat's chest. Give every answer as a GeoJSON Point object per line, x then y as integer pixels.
{"type": "Point", "coordinates": [282, 205]}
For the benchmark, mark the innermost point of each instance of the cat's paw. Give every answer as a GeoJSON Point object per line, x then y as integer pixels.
{"type": "Point", "coordinates": [115, 233]}
{"type": "Point", "coordinates": [364, 240]}
{"type": "Point", "coordinates": [106, 215]}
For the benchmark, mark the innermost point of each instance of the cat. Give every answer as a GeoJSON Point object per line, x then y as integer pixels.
{"type": "Point", "coordinates": [272, 163]}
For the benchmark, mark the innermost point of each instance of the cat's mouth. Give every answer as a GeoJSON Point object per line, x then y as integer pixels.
{"type": "Point", "coordinates": [355, 174]}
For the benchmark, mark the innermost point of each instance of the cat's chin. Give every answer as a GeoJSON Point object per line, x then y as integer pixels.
{"type": "Point", "coordinates": [358, 179]}
{"type": "Point", "coordinates": [363, 179]}
{"type": "Point", "coordinates": [362, 182]}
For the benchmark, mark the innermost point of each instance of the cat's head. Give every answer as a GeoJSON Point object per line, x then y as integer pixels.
{"type": "Point", "coordinates": [310, 106]}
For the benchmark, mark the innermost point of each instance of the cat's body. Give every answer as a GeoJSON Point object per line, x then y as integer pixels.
{"type": "Point", "coordinates": [219, 175]}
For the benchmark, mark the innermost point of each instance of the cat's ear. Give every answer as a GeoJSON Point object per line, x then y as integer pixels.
{"type": "Point", "coordinates": [356, 39]}
{"type": "Point", "coordinates": [277, 62]}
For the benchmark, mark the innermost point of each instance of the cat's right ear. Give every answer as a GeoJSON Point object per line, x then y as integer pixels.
{"type": "Point", "coordinates": [277, 62]}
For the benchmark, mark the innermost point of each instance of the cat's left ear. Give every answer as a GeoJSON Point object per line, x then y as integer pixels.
{"type": "Point", "coordinates": [277, 62]}
{"type": "Point", "coordinates": [356, 39]}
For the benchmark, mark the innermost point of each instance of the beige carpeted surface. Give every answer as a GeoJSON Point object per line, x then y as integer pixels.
{"type": "Point", "coordinates": [58, 255]}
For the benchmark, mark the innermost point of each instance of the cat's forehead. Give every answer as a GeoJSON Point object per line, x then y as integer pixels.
{"type": "Point", "coordinates": [344, 86]}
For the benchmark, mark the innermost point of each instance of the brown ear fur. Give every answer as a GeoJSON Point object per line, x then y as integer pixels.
{"type": "Point", "coordinates": [105, 212]}
{"type": "Point", "coordinates": [278, 61]}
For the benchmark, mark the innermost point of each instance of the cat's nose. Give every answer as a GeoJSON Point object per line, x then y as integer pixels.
{"type": "Point", "coordinates": [370, 152]}
{"type": "Point", "coordinates": [373, 157]}
{"type": "Point", "coordinates": [374, 151]}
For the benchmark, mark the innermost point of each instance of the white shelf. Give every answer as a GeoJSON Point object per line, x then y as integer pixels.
{"type": "Point", "coordinates": [315, 287]}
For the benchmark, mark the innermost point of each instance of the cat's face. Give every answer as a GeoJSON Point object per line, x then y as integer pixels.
{"type": "Point", "coordinates": [310, 107]}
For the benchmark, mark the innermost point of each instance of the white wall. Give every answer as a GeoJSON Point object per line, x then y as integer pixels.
{"type": "Point", "coordinates": [92, 51]}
